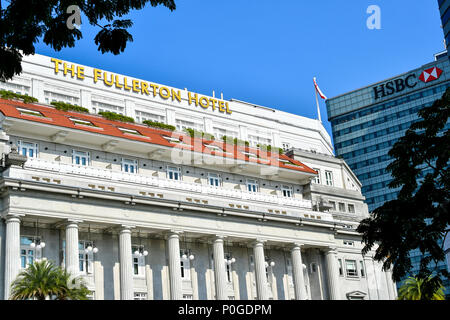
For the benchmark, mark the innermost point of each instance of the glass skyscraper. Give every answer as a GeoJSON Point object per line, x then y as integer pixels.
{"type": "Point", "coordinates": [367, 122]}
{"type": "Point", "coordinates": [444, 8]}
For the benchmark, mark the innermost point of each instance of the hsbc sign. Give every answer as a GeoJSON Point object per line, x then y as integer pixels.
{"type": "Point", "coordinates": [408, 82]}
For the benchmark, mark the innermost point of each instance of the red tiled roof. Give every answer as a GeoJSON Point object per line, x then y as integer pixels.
{"type": "Point", "coordinates": [150, 135]}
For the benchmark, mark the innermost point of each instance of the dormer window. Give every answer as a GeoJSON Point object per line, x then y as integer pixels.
{"type": "Point", "coordinates": [82, 122]}
{"type": "Point", "coordinates": [130, 131]}
{"type": "Point", "coordinates": [28, 112]}
{"type": "Point", "coordinates": [172, 139]}
{"type": "Point", "coordinates": [250, 155]}
{"type": "Point", "coordinates": [213, 147]}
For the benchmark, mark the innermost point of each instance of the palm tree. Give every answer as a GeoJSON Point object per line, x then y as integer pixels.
{"type": "Point", "coordinates": [415, 288]}
{"type": "Point", "coordinates": [43, 280]}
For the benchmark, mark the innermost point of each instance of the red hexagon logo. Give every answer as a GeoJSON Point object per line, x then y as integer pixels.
{"type": "Point", "coordinates": [430, 74]}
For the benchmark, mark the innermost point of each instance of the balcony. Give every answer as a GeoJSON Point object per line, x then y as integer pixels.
{"type": "Point", "coordinates": [118, 176]}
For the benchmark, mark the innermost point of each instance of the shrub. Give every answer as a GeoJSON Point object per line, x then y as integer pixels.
{"type": "Point", "coordinates": [12, 95]}
{"type": "Point", "coordinates": [115, 116]}
{"type": "Point", "coordinates": [160, 125]}
{"type": "Point", "coordinates": [68, 107]}
{"type": "Point", "coordinates": [235, 141]}
{"type": "Point", "coordinates": [199, 134]}
{"type": "Point", "coordinates": [269, 148]}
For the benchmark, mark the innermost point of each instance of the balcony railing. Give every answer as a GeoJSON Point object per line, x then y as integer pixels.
{"type": "Point", "coordinates": [90, 171]}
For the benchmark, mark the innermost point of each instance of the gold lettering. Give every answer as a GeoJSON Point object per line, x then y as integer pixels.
{"type": "Point", "coordinates": [205, 103]}
{"type": "Point", "coordinates": [162, 95]}
{"type": "Point", "coordinates": [195, 98]}
{"type": "Point", "coordinates": [56, 62]}
{"type": "Point", "coordinates": [97, 75]}
{"type": "Point", "coordinates": [154, 86]}
{"type": "Point", "coordinates": [144, 88]}
{"type": "Point", "coordinates": [108, 83]}
{"type": "Point", "coordinates": [228, 110]}
{"type": "Point", "coordinates": [221, 106]}
{"type": "Point", "coordinates": [135, 85]}
{"type": "Point", "coordinates": [176, 94]}
{"type": "Point", "coordinates": [72, 69]}
{"type": "Point", "coordinates": [80, 72]}
{"type": "Point", "coordinates": [125, 84]}
{"type": "Point", "coordinates": [118, 85]}
{"type": "Point", "coordinates": [213, 103]}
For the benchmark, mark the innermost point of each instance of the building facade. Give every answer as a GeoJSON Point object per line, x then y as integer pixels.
{"type": "Point", "coordinates": [367, 122]}
{"type": "Point", "coordinates": [147, 213]}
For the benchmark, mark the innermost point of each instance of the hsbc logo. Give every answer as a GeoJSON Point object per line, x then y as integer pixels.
{"type": "Point", "coordinates": [409, 82]}
{"type": "Point", "coordinates": [395, 86]}
{"type": "Point", "coordinates": [430, 74]}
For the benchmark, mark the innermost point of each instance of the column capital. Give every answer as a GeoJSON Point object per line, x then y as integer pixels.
{"type": "Point", "coordinates": [295, 245]}
{"type": "Point", "coordinates": [13, 217]}
{"type": "Point", "coordinates": [68, 222]}
{"type": "Point", "coordinates": [171, 233]}
{"type": "Point", "coordinates": [258, 242]}
{"type": "Point", "coordinates": [330, 250]}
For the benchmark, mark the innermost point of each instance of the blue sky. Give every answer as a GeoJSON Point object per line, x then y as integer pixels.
{"type": "Point", "coordinates": [267, 52]}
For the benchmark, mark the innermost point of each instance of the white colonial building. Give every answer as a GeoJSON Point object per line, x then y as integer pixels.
{"type": "Point", "coordinates": [146, 213]}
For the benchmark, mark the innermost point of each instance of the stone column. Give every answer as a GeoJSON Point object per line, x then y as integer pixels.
{"type": "Point", "coordinates": [12, 252]}
{"type": "Point", "coordinates": [219, 269]}
{"type": "Point", "coordinates": [72, 249]}
{"type": "Point", "coordinates": [260, 270]}
{"type": "Point", "coordinates": [332, 274]}
{"type": "Point", "coordinates": [297, 272]}
{"type": "Point", "coordinates": [173, 247]}
{"type": "Point", "coordinates": [126, 264]}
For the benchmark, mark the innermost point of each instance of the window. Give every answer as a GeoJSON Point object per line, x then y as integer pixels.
{"type": "Point", "coordinates": [185, 265]}
{"type": "Point", "coordinates": [363, 273]}
{"type": "Point", "coordinates": [183, 124]}
{"type": "Point", "coordinates": [142, 116]}
{"type": "Point", "coordinates": [214, 179]}
{"type": "Point", "coordinates": [80, 157]}
{"type": "Point", "coordinates": [29, 112]}
{"type": "Point", "coordinates": [341, 269]}
{"type": "Point", "coordinates": [86, 257]}
{"type": "Point", "coordinates": [173, 173]}
{"type": "Point", "coordinates": [329, 178]}
{"type": "Point", "coordinates": [28, 149]}
{"type": "Point", "coordinates": [130, 131]}
{"type": "Point", "coordinates": [252, 185]}
{"type": "Point", "coordinates": [351, 208]}
{"type": "Point", "coordinates": [187, 297]}
{"type": "Point", "coordinates": [258, 139]}
{"type": "Point", "coordinates": [348, 243]}
{"type": "Point", "coordinates": [138, 260]}
{"type": "Point", "coordinates": [289, 271]}
{"type": "Point", "coordinates": [333, 205]}
{"type": "Point", "coordinates": [28, 254]}
{"type": "Point", "coordinates": [140, 296]}
{"type": "Point", "coordinates": [350, 266]}
{"type": "Point", "coordinates": [316, 179]}
{"type": "Point", "coordinates": [220, 133]}
{"type": "Point", "coordinates": [286, 191]}
{"type": "Point", "coordinates": [129, 165]}
{"type": "Point", "coordinates": [82, 122]}
{"type": "Point", "coordinates": [341, 207]}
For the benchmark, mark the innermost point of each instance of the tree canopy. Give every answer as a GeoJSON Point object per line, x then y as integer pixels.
{"type": "Point", "coordinates": [43, 280]}
{"type": "Point", "coordinates": [419, 217]}
{"type": "Point", "coordinates": [24, 22]}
